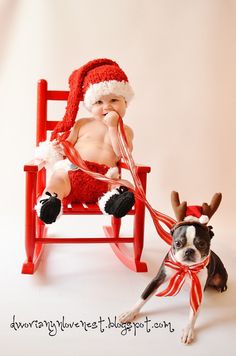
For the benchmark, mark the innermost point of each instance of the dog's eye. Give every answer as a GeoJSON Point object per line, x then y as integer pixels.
{"type": "Point", "coordinates": [202, 244]}
{"type": "Point", "coordinates": [178, 244]}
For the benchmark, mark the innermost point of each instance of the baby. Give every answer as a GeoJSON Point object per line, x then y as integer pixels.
{"type": "Point", "coordinates": [104, 88]}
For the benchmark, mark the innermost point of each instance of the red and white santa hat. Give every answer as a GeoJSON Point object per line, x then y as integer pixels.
{"type": "Point", "coordinates": [194, 214]}
{"type": "Point", "coordinates": [88, 83]}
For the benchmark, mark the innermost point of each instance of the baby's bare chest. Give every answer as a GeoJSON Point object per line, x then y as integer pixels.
{"type": "Point", "coordinates": [94, 131]}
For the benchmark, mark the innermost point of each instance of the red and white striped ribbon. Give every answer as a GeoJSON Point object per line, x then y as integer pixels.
{"type": "Point", "coordinates": [137, 189]}
{"type": "Point", "coordinates": [177, 281]}
{"type": "Point", "coordinates": [139, 192]}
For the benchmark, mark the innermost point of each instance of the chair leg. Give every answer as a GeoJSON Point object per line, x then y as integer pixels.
{"type": "Point", "coordinates": [139, 235]}
{"type": "Point", "coordinates": [30, 227]}
{"type": "Point", "coordinates": [132, 262]}
{"type": "Point", "coordinates": [115, 223]}
{"type": "Point", "coordinates": [138, 230]}
{"type": "Point", "coordinates": [139, 226]}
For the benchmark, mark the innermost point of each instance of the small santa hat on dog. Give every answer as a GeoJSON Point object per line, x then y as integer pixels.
{"type": "Point", "coordinates": [88, 83]}
{"type": "Point", "coordinates": [196, 213]}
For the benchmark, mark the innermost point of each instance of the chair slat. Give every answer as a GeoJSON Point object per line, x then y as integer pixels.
{"type": "Point", "coordinates": [57, 95]}
{"type": "Point", "coordinates": [88, 209]}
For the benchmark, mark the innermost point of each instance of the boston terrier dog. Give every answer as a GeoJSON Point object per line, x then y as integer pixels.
{"type": "Point", "coordinates": [190, 258]}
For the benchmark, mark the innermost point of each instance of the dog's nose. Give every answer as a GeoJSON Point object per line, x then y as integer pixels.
{"type": "Point", "coordinates": [189, 252]}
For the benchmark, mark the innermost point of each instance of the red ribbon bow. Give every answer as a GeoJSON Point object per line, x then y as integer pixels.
{"type": "Point", "coordinates": [178, 280]}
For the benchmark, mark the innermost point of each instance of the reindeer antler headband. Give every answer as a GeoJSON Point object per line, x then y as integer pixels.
{"type": "Point", "coordinates": [201, 214]}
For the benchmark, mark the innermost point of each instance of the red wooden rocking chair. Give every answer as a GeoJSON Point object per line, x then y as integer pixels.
{"type": "Point", "coordinates": [35, 229]}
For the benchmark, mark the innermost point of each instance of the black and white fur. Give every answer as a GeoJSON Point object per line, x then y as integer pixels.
{"type": "Point", "coordinates": [191, 244]}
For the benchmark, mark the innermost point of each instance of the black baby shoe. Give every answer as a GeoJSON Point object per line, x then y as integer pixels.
{"type": "Point", "coordinates": [117, 202]}
{"type": "Point", "coordinates": [49, 208]}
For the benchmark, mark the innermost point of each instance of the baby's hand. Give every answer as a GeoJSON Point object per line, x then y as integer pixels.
{"type": "Point", "coordinates": [111, 119]}
{"type": "Point", "coordinates": [58, 148]}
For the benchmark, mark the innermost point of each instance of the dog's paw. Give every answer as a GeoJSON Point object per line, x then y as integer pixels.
{"type": "Point", "coordinates": [188, 335]}
{"type": "Point", "coordinates": [127, 317]}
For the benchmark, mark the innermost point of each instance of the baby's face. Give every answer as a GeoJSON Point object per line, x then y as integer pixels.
{"type": "Point", "coordinates": [108, 103]}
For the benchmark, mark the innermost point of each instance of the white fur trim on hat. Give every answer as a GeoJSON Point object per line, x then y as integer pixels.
{"type": "Point", "coordinates": [191, 218]}
{"type": "Point", "coordinates": [203, 219]}
{"type": "Point", "coordinates": [119, 88]}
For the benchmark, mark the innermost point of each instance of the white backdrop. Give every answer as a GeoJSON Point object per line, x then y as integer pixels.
{"type": "Point", "coordinates": [180, 58]}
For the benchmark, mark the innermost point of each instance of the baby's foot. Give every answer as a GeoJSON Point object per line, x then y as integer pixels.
{"type": "Point", "coordinates": [48, 208]}
{"type": "Point", "coordinates": [118, 202]}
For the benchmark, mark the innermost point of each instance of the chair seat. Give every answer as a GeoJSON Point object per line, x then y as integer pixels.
{"type": "Point", "coordinates": [85, 209]}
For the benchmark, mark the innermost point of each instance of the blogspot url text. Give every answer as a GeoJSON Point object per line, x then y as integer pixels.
{"type": "Point", "coordinates": [101, 325]}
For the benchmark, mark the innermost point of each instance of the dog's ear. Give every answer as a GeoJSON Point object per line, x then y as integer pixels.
{"type": "Point", "coordinates": [172, 230]}
{"type": "Point", "coordinates": [211, 233]}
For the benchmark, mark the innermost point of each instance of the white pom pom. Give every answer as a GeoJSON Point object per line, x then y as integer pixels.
{"type": "Point", "coordinates": [47, 152]}
{"type": "Point", "coordinates": [203, 219]}
{"type": "Point", "coordinates": [113, 173]}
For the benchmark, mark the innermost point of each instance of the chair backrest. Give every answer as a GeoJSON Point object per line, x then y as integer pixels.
{"type": "Point", "coordinates": [43, 96]}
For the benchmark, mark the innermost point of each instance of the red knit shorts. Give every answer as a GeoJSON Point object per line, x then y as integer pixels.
{"type": "Point", "coordinates": [84, 188]}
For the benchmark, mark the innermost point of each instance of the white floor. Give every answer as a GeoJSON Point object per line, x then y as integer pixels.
{"type": "Point", "coordinates": [87, 283]}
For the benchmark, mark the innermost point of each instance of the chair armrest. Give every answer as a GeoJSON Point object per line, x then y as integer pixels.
{"type": "Point", "coordinates": [34, 166]}
{"type": "Point", "coordinates": [140, 168]}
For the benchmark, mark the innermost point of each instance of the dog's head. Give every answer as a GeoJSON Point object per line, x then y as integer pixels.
{"type": "Point", "coordinates": [191, 235]}
{"type": "Point", "coordinates": [191, 242]}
